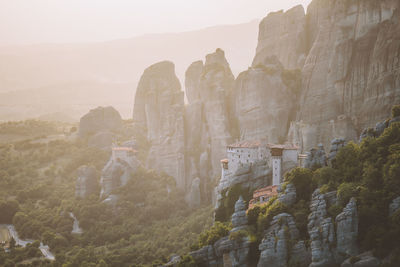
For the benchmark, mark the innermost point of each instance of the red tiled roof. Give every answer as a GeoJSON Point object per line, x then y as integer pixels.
{"type": "Point", "coordinates": [246, 144]}
{"type": "Point", "coordinates": [224, 160]}
{"type": "Point", "coordinates": [258, 143]}
{"type": "Point", "coordinates": [286, 146]}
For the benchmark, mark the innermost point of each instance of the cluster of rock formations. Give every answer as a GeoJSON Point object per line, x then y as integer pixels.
{"type": "Point", "coordinates": [346, 56]}
{"type": "Point", "coordinates": [332, 240]}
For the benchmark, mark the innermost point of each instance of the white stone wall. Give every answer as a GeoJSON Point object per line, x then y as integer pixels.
{"type": "Point", "coordinates": [240, 156]}
{"type": "Point", "coordinates": [276, 170]}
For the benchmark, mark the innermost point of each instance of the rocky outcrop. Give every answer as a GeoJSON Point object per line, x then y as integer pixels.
{"type": "Point", "coordinates": [117, 172]}
{"type": "Point", "coordinates": [288, 197]}
{"type": "Point", "coordinates": [394, 206]}
{"type": "Point", "coordinates": [247, 176]}
{"type": "Point", "coordinates": [87, 182]}
{"type": "Point", "coordinates": [316, 158]}
{"type": "Point", "coordinates": [347, 231]}
{"type": "Point", "coordinates": [336, 145]}
{"type": "Point", "coordinates": [159, 108]}
{"type": "Point", "coordinates": [264, 102]}
{"type": "Point", "coordinates": [330, 246]}
{"type": "Point", "coordinates": [101, 119]}
{"type": "Point", "coordinates": [322, 232]}
{"type": "Point", "coordinates": [378, 129]}
{"type": "Point", "coordinates": [239, 217]}
{"type": "Point", "coordinates": [282, 34]}
{"type": "Point", "coordinates": [276, 249]}
{"type": "Point", "coordinates": [351, 74]}
{"type": "Point", "coordinates": [228, 251]}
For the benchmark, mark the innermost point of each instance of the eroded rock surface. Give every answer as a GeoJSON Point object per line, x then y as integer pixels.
{"type": "Point", "coordinates": [159, 108]}
{"type": "Point", "coordinates": [282, 34]}
{"type": "Point", "coordinates": [264, 102]}
{"type": "Point", "coordinates": [322, 232]}
{"type": "Point", "coordinates": [351, 74]}
{"type": "Point", "coordinates": [276, 249]}
{"type": "Point", "coordinates": [209, 89]}
{"type": "Point", "coordinates": [316, 157]}
{"type": "Point", "coordinates": [347, 231]}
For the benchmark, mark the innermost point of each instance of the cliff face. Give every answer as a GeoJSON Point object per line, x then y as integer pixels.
{"type": "Point", "coordinates": [281, 34]}
{"type": "Point", "coordinates": [159, 108]}
{"type": "Point", "coordinates": [348, 51]}
{"type": "Point", "coordinates": [209, 88]}
{"type": "Point", "coordinates": [351, 74]}
{"type": "Point", "coordinates": [263, 102]}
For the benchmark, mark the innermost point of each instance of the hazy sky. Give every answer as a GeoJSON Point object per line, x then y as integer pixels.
{"type": "Point", "coordinates": [42, 21]}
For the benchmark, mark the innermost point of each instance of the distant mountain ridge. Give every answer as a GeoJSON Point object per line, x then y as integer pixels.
{"type": "Point", "coordinates": [113, 66]}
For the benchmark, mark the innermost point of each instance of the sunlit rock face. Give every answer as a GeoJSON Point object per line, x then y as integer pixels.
{"type": "Point", "coordinates": [159, 108]}
{"type": "Point", "coordinates": [351, 75]}
{"type": "Point", "coordinates": [281, 34]}
{"type": "Point", "coordinates": [263, 102]}
{"type": "Point", "coordinates": [209, 91]}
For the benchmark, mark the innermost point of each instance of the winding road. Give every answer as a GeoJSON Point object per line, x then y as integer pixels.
{"type": "Point", "coordinates": [19, 242]}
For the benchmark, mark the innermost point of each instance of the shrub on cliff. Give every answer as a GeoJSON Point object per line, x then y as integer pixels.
{"type": "Point", "coordinates": [217, 231]}
{"type": "Point", "coordinates": [301, 178]}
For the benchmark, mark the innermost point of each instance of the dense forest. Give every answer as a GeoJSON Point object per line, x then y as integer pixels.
{"type": "Point", "coordinates": [150, 222]}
